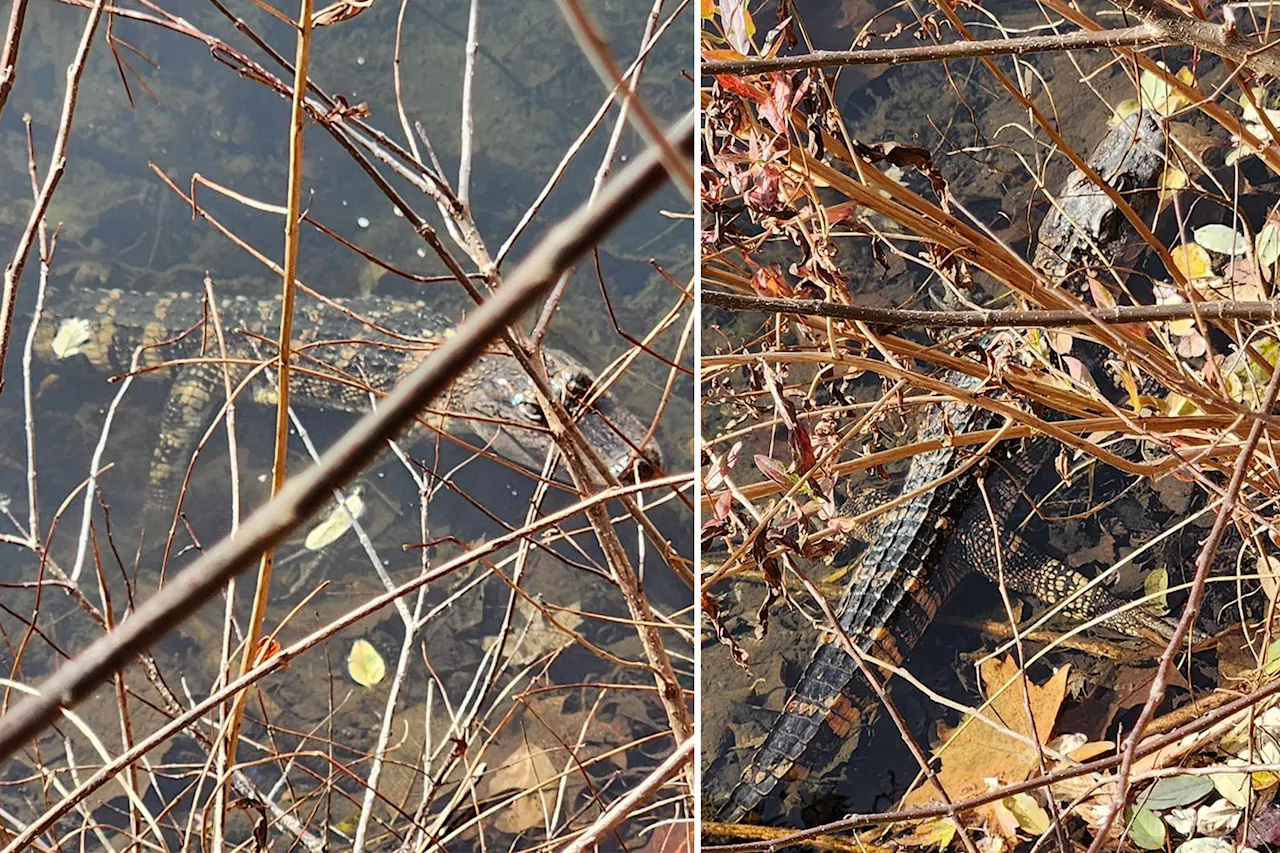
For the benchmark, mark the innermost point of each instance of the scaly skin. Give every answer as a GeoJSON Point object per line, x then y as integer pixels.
{"type": "Point", "coordinates": [337, 354]}
{"type": "Point", "coordinates": [927, 545]}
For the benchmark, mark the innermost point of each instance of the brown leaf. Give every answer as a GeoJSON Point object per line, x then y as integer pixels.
{"type": "Point", "coordinates": [528, 769]}
{"type": "Point", "coordinates": [769, 281]}
{"type": "Point", "coordinates": [978, 752]}
{"type": "Point", "coordinates": [711, 612]}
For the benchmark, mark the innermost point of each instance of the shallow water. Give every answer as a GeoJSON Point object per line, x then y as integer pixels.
{"type": "Point", "coordinates": [120, 227]}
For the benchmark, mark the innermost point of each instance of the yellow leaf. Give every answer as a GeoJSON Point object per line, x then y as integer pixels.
{"type": "Point", "coordinates": [365, 665]}
{"type": "Point", "coordinates": [1160, 95]}
{"type": "Point", "coordinates": [1243, 376]}
{"type": "Point", "coordinates": [1264, 779]}
{"type": "Point", "coordinates": [1177, 405]}
{"type": "Point", "coordinates": [1031, 816]}
{"type": "Point", "coordinates": [1156, 586]}
{"type": "Point", "coordinates": [1173, 179]}
{"type": "Point", "coordinates": [1234, 788]}
{"type": "Point", "coordinates": [935, 832]}
{"type": "Point", "coordinates": [338, 523]}
{"type": "Point", "coordinates": [1124, 109]}
{"type": "Point", "coordinates": [1169, 296]}
{"type": "Point", "coordinates": [1192, 261]}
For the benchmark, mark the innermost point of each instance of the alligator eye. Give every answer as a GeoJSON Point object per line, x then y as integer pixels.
{"type": "Point", "coordinates": [529, 409]}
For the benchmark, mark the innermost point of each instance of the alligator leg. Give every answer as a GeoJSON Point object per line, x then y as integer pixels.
{"type": "Point", "coordinates": [1026, 569]}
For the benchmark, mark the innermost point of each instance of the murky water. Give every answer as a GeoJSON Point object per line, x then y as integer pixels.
{"type": "Point", "coordinates": [121, 227]}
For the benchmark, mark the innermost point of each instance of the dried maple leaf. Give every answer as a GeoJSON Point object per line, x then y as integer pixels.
{"type": "Point", "coordinates": [978, 753]}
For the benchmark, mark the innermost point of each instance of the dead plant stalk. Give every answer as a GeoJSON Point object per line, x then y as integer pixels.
{"type": "Point", "coordinates": [57, 168]}
{"type": "Point", "coordinates": [309, 490]}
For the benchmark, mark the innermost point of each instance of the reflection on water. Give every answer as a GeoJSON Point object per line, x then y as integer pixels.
{"type": "Point", "coordinates": [120, 227]}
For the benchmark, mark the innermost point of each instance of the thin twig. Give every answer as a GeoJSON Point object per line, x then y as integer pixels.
{"type": "Point", "coordinates": [307, 492]}
{"type": "Point", "coordinates": [57, 168]}
{"type": "Point", "coordinates": [1262, 312]}
{"type": "Point", "coordinates": [1139, 36]}
{"type": "Point", "coordinates": [621, 808]}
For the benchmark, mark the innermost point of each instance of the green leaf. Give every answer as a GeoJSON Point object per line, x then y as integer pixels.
{"type": "Point", "coordinates": [1268, 248]}
{"type": "Point", "coordinates": [1221, 239]}
{"type": "Point", "coordinates": [1146, 830]}
{"type": "Point", "coordinates": [365, 665]}
{"type": "Point", "coordinates": [1174, 791]}
{"type": "Point", "coordinates": [1271, 663]}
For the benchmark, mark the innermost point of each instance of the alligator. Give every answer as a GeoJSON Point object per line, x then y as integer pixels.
{"type": "Point", "coordinates": [925, 546]}
{"type": "Point", "coordinates": [346, 349]}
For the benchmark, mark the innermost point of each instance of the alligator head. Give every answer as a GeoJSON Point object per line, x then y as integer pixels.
{"type": "Point", "coordinates": [513, 425]}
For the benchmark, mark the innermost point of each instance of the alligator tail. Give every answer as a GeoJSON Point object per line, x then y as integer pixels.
{"type": "Point", "coordinates": [817, 717]}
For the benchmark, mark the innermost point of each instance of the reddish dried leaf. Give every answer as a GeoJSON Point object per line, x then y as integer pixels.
{"type": "Point", "coordinates": [801, 449]}
{"type": "Point", "coordinates": [774, 470]}
{"type": "Point", "coordinates": [769, 281]}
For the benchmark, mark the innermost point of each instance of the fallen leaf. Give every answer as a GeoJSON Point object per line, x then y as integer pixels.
{"type": "Point", "coordinates": [1145, 829]}
{"type": "Point", "coordinates": [1217, 819]}
{"type": "Point", "coordinates": [1156, 587]}
{"type": "Point", "coordinates": [1234, 787]}
{"type": "Point", "coordinates": [1221, 239]}
{"type": "Point", "coordinates": [365, 665]}
{"type": "Point", "coordinates": [1031, 816]}
{"type": "Point", "coordinates": [1268, 245]}
{"type": "Point", "coordinates": [1175, 791]}
{"type": "Point", "coordinates": [534, 635]}
{"type": "Point", "coordinates": [72, 335]}
{"type": "Point", "coordinates": [978, 753]}
{"type": "Point", "coordinates": [1191, 260]}
{"type": "Point", "coordinates": [337, 523]}
{"type": "Point", "coordinates": [528, 770]}
{"type": "Point", "coordinates": [1205, 845]}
